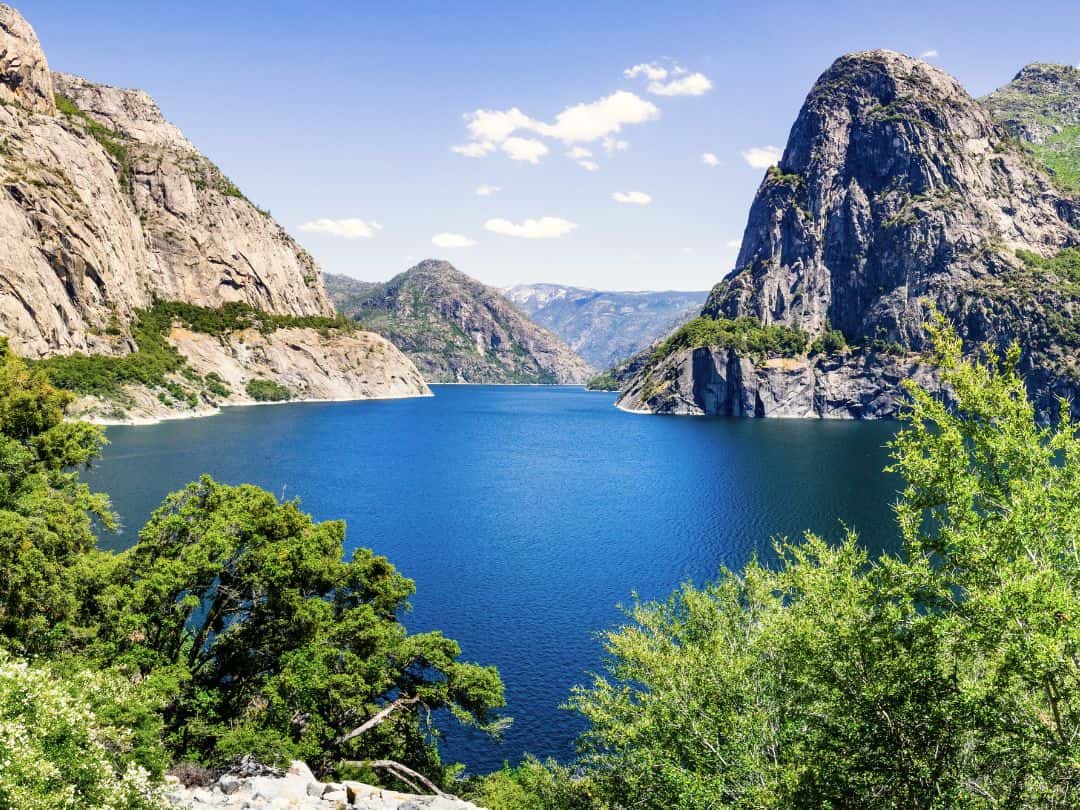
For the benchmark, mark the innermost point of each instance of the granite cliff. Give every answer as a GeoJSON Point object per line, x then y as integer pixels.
{"type": "Point", "coordinates": [106, 208]}
{"type": "Point", "coordinates": [458, 330]}
{"type": "Point", "coordinates": [897, 192]}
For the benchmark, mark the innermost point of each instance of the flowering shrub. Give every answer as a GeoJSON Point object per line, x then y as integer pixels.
{"type": "Point", "coordinates": [68, 742]}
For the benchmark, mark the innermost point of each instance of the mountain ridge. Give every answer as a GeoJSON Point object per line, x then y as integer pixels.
{"type": "Point", "coordinates": [605, 326]}
{"type": "Point", "coordinates": [457, 329]}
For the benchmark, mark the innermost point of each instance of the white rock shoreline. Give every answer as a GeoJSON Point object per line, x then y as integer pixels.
{"type": "Point", "coordinates": [258, 788]}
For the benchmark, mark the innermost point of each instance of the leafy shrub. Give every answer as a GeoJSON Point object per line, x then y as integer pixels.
{"type": "Point", "coordinates": [1065, 265]}
{"type": "Point", "coordinates": [603, 382]}
{"type": "Point", "coordinates": [746, 335]}
{"type": "Point", "coordinates": [73, 739]}
{"type": "Point", "coordinates": [268, 391]}
{"type": "Point", "coordinates": [831, 342]}
{"type": "Point", "coordinates": [112, 142]}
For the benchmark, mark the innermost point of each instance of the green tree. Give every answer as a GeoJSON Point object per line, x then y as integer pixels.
{"type": "Point", "coordinates": [269, 642]}
{"type": "Point", "coordinates": [45, 511]}
{"type": "Point", "coordinates": [949, 677]}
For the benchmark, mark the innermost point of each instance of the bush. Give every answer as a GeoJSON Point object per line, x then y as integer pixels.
{"type": "Point", "coordinates": [745, 335]}
{"type": "Point", "coordinates": [603, 382]}
{"type": "Point", "coordinates": [74, 740]}
{"type": "Point", "coordinates": [268, 391]}
{"type": "Point", "coordinates": [831, 342]}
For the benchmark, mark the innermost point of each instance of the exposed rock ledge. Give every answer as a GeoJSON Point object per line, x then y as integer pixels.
{"type": "Point", "coordinates": [718, 382]}
{"type": "Point", "coordinates": [298, 789]}
{"type": "Point", "coordinates": [352, 366]}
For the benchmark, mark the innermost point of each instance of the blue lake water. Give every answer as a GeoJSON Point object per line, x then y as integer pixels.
{"type": "Point", "coordinates": [526, 515]}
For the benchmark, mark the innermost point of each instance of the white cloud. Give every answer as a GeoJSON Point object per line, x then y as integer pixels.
{"type": "Point", "coordinates": [579, 153]}
{"type": "Point", "coordinates": [688, 251]}
{"type": "Point", "coordinates": [762, 157]}
{"type": "Point", "coordinates": [543, 228]}
{"type": "Point", "coordinates": [733, 243]}
{"type": "Point", "coordinates": [631, 197]}
{"type": "Point", "coordinates": [710, 160]}
{"type": "Point", "coordinates": [496, 125]}
{"type": "Point", "coordinates": [583, 123]}
{"type": "Point", "coordinates": [930, 54]}
{"type": "Point", "coordinates": [613, 145]}
{"type": "Point", "coordinates": [651, 71]}
{"type": "Point", "coordinates": [529, 150]}
{"type": "Point", "coordinates": [477, 149]}
{"type": "Point", "coordinates": [694, 84]}
{"type": "Point", "coordinates": [452, 240]}
{"type": "Point", "coordinates": [344, 228]}
{"type": "Point", "coordinates": [486, 190]}
{"type": "Point", "coordinates": [589, 165]}
{"type": "Point", "coordinates": [577, 124]}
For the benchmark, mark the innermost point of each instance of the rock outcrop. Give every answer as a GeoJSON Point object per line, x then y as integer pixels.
{"type": "Point", "coordinates": [106, 207]}
{"type": "Point", "coordinates": [605, 328]}
{"type": "Point", "coordinates": [298, 789]}
{"type": "Point", "coordinates": [896, 191]}
{"type": "Point", "coordinates": [459, 330]}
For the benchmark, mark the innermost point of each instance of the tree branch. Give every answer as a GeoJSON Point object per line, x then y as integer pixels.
{"type": "Point", "coordinates": [369, 724]}
{"type": "Point", "coordinates": [402, 772]}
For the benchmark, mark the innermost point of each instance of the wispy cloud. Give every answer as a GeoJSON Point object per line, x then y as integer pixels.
{"type": "Point", "coordinates": [670, 80]}
{"type": "Point", "coordinates": [631, 197]}
{"type": "Point", "coordinates": [710, 160]}
{"type": "Point", "coordinates": [734, 243]}
{"type": "Point", "coordinates": [528, 150]}
{"type": "Point", "coordinates": [452, 240]}
{"type": "Point", "coordinates": [542, 228]}
{"type": "Point", "coordinates": [762, 157]}
{"type": "Point", "coordinates": [477, 149]}
{"type": "Point", "coordinates": [577, 124]}
{"type": "Point", "coordinates": [930, 54]}
{"type": "Point", "coordinates": [486, 190]}
{"type": "Point", "coordinates": [343, 228]}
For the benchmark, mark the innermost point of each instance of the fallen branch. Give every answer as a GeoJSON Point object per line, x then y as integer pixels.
{"type": "Point", "coordinates": [402, 772]}
{"type": "Point", "coordinates": [369, 724]}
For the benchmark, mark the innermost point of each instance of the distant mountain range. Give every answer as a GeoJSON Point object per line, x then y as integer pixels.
{"type": "Point", "coordinates": [456, 329]}
{"type": "Point", "coordinates": [606, 327]}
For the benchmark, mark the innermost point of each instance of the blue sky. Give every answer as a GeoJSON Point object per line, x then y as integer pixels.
{"type": "Point", "coordinates": [348, 112]}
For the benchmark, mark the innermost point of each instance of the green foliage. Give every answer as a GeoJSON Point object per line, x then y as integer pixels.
{"type": "Point", "coordinates": [948, 678]}
{"type": "Point", "coordinates": [603, 382]}
{"type": "Point", "coordinates": [75, 739]}
{"type": "Point", "coordinates": [532, 785]}
{"type": "Point", "coordinates": [45, 511]}
{"type": "Point", "coordinates": [216, 386]}
{"type": "Point", "coordinates": [112, 142]}
{"type": "Point", "coordinates": [831, 342]}
{"type": "Point", "coordinates": [746, 335]}
{"type": "Point", "coordinates": [265, 640]}
{"type": "Point", "coordinates": [268, 391]}
{"type": "Point", "coordinates": [156, 359]}
{"type": "Point", "coordinates": [776, 175]}
{"type": "Point", "coordinates": [1065, 265]}
{"type": "Point", "coordinates": [1060, 153]}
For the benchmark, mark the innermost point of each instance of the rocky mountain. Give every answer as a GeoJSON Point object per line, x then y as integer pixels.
{"type": "Point", "coordinates": [605, 327]}
{"type": "Point", "coordinates": [107, 208]}
{"type": "Point", "coordinates": [1041, 107]}
{"type": "Point", "coordinates": [458, 330]}
{"type": "Point", "coordinates": [897, 191]}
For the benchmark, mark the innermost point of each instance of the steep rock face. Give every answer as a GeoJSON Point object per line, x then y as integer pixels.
{"type": "Point", "coordinates": [24, 71]}
{"type": "Point", "coordinates": [898, 190]}
{"type": "Point", "coordinates": [605, 328]}
{"type": "Point", "coordinates": [459, 330]}
{"type": "Point", "coordinates": [105, 206]}
{"type": "Point", "coordinates": [211, 244]}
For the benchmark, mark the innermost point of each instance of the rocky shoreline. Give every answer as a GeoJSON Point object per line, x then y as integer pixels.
{"type": "Point", "coordinates": [250, 786]}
